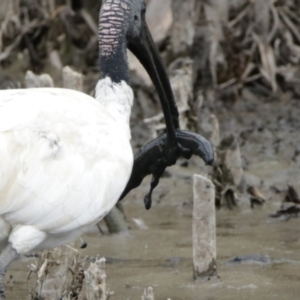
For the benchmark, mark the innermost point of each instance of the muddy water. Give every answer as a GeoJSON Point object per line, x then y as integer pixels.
{"type": "Point", "coordinates": [160, 256]}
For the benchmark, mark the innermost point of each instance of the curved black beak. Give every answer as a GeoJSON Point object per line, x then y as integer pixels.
{"type": "Point", "coordinates": [145, 50]}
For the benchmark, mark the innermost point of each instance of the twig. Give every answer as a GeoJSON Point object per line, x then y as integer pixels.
{"type": "Point", "coordinates": [239, 17]}
{"type": "Point", "coordinates": [250, 67]}
{"type": "Point", "coordinates": [228, 83]}
{"type": "Point", "coordinates": [89, 21]}
{"type": "Point", "coordinates": [276, 24]}
{"type": "Point", "coordinates": [6, 53]}
{"type": "Point", "coordinates": [292, 14]}
{"type": "Point", "coordinates": [253, 78]}
{"type": "Point", "coordinates": [290, 25]}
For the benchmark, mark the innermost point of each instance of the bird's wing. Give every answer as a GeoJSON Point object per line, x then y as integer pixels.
{"type": "Point", "coordinates": [59, 152]}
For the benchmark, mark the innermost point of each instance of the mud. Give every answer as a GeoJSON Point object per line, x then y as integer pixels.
{"type": "Point", "coordinates": [158, 251]}
{"type": "Point", "coordinates": [160, 256]}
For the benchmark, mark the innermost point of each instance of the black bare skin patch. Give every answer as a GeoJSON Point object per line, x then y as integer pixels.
{"type": "Point", "coordinates": [114, 17]}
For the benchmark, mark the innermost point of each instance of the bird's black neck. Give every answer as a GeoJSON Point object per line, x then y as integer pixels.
{"type": "Point", "coordinates": [112, 40]}
{"type": "Point", "coordinates": [114, 63]}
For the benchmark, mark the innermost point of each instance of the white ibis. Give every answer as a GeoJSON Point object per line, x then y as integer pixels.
{"type": "Point", "coordinates": [65, 156]}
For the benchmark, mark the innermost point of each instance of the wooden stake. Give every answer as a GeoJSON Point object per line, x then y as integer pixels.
{"type": "Point", "coordinates": [204, 228]}
{"type": "Point", "coordinates": [72, 79]}
{"type": "Point", "coordinates": [32, 80]}
{"type": "Point", "coordinates": [115, 220]}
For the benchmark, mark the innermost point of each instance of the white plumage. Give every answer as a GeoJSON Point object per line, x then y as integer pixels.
{"type": "Point", "coordinates": [65, 156]}
{"type": "Point", "coordinates": [65, 160]}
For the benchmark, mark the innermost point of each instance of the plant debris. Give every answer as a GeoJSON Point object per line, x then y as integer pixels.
{"type": "Point", "coordinates": [257, 198]}
{"type": "Point", "coordinates": [290, 207]}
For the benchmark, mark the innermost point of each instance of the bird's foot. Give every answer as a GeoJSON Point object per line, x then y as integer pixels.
{"type": "Point", "coordinates": [148, 201]}
{"type": "Point", "coordinates": [153, 185]}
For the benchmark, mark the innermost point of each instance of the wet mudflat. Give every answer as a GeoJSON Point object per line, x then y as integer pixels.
{"type": "Point", "coordinates": [258, 256]}
{"type": "Point", "coordinates": [160, 256]}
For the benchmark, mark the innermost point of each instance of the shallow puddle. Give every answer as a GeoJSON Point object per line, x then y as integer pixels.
{"type": "Point", "coordinates": [161, 256]}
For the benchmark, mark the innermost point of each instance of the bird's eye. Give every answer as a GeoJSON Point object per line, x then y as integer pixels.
{"type": "Point", "coordinates": [136, 18]}
{"type": "Point", "coordinates": [143, 10]}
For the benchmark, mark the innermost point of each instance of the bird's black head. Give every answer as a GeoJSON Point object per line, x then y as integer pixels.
{"type": "Point", "coordinates": [122, 25]}
{"type": "Point", "coordinates": [136, 18]}
{"type": "Point", "coordinates": [119, 20]}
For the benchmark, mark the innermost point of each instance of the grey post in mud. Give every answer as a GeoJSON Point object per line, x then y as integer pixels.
{"type": "Point", "coordinates": [204, 228]}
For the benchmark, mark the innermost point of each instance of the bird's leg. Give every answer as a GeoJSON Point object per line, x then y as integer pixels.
{"type": "Point", "coordinates": [6, 257]}
{"type": "Point", "coordinates": [153, 185]}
